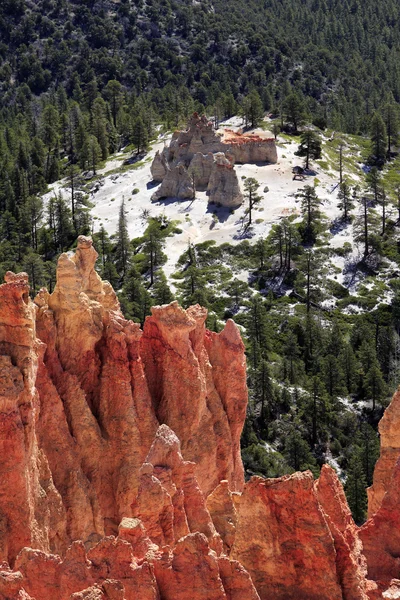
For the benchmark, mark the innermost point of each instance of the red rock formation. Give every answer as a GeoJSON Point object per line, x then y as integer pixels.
{"type": "Point", "coordinates": [175, 341]}
{"type": "Point", "coordinates": [381, 535]}
{"type": "Point", "coordinates": [192, 571]}
{"type": "Point", "coordinates": [156, 510]}
{"type": "Point", "coordinates": [284, 542]}
{"type": "Point", "coordinates": [221, 507]}
{"type": "Point", "coordinates": [31, 512]}
{"type": "Point", "coordinates": [251, 147]}
{"type": "Point", "coordinates": [350, 561]}
{"type": "Point", "coordinates": [389, 429]}
{"type": "Point", "coordinates": [170, 503]}
{"type": "Point", "coordinates": [72, 447]}
{"type": "Point", "coordinates": [151, 558]}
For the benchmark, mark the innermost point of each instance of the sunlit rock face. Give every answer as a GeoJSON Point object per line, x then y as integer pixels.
{"type": "Point", "coordinates": [389, 429]}
{"type": "Point", "coordinates": [120, 468]}
{"type": "Point", "coordinates": [83, 392]}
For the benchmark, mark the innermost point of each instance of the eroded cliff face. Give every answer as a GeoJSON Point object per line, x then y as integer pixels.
{"type": "Point", "coordinates": [31, 510]}
{"type": "Point", "coordinates": [389, 429]}
{"type": "Point", "coordinates": [83, 392]}
{"type": "Point", "coordinates": [120, 468]}
{"type": "Point", "coordinates": [381, 533]}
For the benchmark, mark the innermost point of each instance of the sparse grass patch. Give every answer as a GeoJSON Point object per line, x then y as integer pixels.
{"type": "Point", "coordinates": [323, 164]}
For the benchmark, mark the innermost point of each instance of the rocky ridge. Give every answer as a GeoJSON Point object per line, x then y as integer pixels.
{"type": "Point", "coordinates": [198, 158]}
{"type": "Point", "coordinates": [121, 449]}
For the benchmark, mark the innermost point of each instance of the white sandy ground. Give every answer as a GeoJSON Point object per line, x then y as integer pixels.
{"type": "Point", "coordinates": [196, 216]}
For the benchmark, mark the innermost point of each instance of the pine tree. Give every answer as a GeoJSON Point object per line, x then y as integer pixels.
{"type": "Point", "coordinates": [153, 248]}
{"type": "Point", "coordinates": [309, 266]}
{"type": "Point", "coordinates": [251, 186]}
{"type": "Point", "coordinates": [364, 234]}
{"type": "Point", "coordinates": [258, 331]}
{"type": "Point", "coordinates": [348, 363]}
{"type": "Point", "coordinates": [310, 147]}
{"type": "Point", "coordinates": [92, 152]}
{"type": "Point", "coordinates": [49, 134]}
{"type": "Point", "coordinates": [161, 292]}
{"type": "Point", "coordinates": [316, 410]}
{"type": "Point", "coordinates": [64, 233]}
{"type": "Point", "coordinates": [333, 375]}
{"type": "Point", "coordinates": [297, 452]}
{"type": "Point", "coordinates": [294, 110]}
{"type": "Point", "coordinates": [122, 249]}
{"type": "Point", "coordinates": [136, 300]}
{"type": "Point", "coordinates": [391, 120]}
{"type": "Point", "coordinates": [368, 442]}
{"type": "Point", "coordinates": [99, 125]}
{"type": "Point", "coordinates": [192, 281]}
{"type": "Point", "coordinates": [33, 213]}
{"type": "Point", "coordinates": [291, 363]}
{"type": "Point", "coordinates": [355, 487]}
{"type": "Point", "coordinates": [33, 265]}
{"type": "Point", "coordinates": [113, 92]}
{"type": "Point", "coordinates": [374, 384]}
{"type": "Point", "coordinates": [139, 135]}
{"type": "Point", "coordinates": [310, 211]}
{"type": "Point", "coordinates": [263, 393]}
{"type": "Point", "coordinates": [378, 140]}
{"type": "Point", "coordinates": [346, 201]}
{"type": "Point", "coordinates": [253, 108]}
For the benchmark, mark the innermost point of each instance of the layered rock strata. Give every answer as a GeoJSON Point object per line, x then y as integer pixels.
{"type": "Point", "coordinates": [250, 148]}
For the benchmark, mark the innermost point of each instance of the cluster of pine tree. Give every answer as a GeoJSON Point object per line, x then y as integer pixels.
{"type": "Point", "coordinates": [336, 61]}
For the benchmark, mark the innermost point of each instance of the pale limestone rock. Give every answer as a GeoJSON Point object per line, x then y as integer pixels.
{"type": "Point", "coordinates": [177, 183]}
{"type": "Point", "coordinates": [200, 169]}
{"type": "Point", "coordinates": [159, 166]}
{"type": "Point", "coordinates": [223, 187]}
{"type": "Point", "coordinates": [250, 148]}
